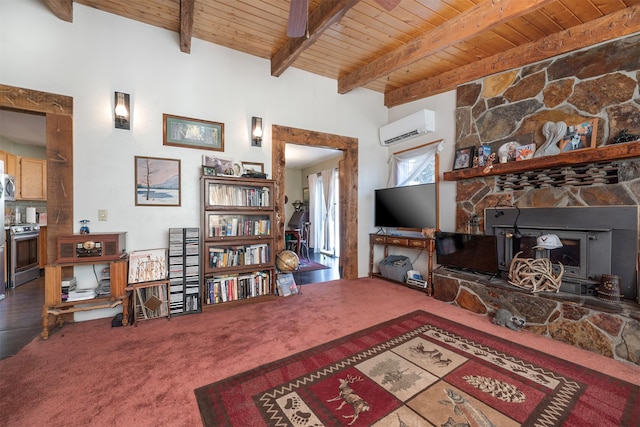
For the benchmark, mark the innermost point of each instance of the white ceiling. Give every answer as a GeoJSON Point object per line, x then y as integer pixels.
{"type": "Point", "coordinates": [30, 129]}
{"type": "Point", "coordinates": [23, 128]}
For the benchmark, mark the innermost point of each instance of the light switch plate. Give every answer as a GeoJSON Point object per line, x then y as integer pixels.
{"type": "Point", "coordinates": [102, 214]}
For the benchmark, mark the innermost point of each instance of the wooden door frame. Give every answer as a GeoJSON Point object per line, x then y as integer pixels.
{"type": "Point", "coordinates": [58, 110]}
{"type": "Point", "coordinates": [348, 187]}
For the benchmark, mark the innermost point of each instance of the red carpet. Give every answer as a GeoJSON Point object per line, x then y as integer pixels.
{"type": "Point", "coordinates": [415, 370]}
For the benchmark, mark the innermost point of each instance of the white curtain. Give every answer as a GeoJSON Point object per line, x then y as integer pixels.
{"type": "Point", "coordinates": [315, 210]}
{"type": "Point", "coordinates": [328, 185]}
{"type": "Point", "coordinates": [400, 175]}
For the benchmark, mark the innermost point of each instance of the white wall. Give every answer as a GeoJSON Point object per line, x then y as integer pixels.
{"type": "Point", "coordinates": [100, 53]}
{"type": "Point", "coordinates": [444, 106]}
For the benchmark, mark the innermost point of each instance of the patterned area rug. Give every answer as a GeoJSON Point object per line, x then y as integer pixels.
{"type": "Point", "coordinates": [307, 265]}
{"type": "Point", "coordinates": [420, 370]}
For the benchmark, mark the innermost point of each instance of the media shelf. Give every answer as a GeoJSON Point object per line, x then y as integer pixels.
{"type": "Point", "coordinates": [237, 241]}
{"type": "Point", "coordinates": [410, 242]}
{"type": "Point", "coordinates": [54, 306]}
{"type": "Point", "coordinates": [185, 271]}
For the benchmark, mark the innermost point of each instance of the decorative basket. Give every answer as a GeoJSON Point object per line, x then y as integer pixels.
{"type": "Point", "coordinates": [609, 289]}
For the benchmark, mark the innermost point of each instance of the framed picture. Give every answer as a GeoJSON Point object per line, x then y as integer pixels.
{"type": "Point", "coordinates": [221, 165]}
{"type": "Point", "coordinates": [192, 133]}
{"type": "Point", "coordinates": [251, 166]}
{"type": "Point", "coordinates": [483, 153]}
{"type": "Point", "coordinates": [147, 265]}
{"type": "Point", "coordinates": [305, 196]}
{"type": "Point", "coordinates": [157, 181]}
{"type": "Point", "coordinates": [462, 159]}
{"type": "Point", "coordinates": [525, 152]}
{"type": "Point", "coordinates": [208, 171]}
{"type": "Point", "coordinates": [579, 136]}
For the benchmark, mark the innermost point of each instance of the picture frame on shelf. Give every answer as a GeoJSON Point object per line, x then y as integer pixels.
{"type": "Point", "coordinates": [525, 152]}
{"type": "Point", "coordinates": [463, 157]}
{"type": "Point", "coordinates": [208, 171]}
{"type": "Point", "coordinates": [222, 166]}
{"type": "Point", "coordinates": [180, 131]}
{"type": "Point", "coordinates": [579, 136]}
{"type": "Point", "coordinates": [147, 265]}
{"type": "Point", "coordinates": [157, 181]}
{"type": "Point", "coordinates": [247, 167]}
{"type": "Point", "coordinates": [483, 152]}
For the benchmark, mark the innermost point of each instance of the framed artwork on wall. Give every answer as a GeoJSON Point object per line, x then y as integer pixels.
{"type": "Point", "coordinates": [192, 133]}
{"type": "Point", "coordinates": [157, 181]}
{"type": "Point", "coordinates": [462, 159]}
{"type": "Point", "coordinates": [579, 136]}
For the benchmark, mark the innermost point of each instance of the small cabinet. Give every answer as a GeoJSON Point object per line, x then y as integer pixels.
{"type": "Point", "coordinates": [32, 179]}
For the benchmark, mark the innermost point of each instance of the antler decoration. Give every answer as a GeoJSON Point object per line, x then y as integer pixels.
{"type": "Point", "coordinates": [535, 275]}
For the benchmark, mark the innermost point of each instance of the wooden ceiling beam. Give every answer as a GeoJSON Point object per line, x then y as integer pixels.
{"type": "Point", "coordinates": [63, 9]}
{"type": "Point", "coordinates": [186, 24]}
{"type": "Point", "coordinates": [481, 18]}
{"type": "Point", "coordinates": [325, 15]}
{"type": "Point", "coordinates": [618, 24]}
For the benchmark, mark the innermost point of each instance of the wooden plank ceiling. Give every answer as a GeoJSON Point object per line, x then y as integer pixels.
{"type": "Point", "coordinates": [418, 49]}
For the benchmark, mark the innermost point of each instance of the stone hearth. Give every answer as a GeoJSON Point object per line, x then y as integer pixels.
{"type": "Point", "coordinates": [610, 329]}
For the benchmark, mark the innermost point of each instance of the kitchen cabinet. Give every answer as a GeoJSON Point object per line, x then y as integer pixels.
{"type": "Point", "coordinates": [10, 163]}
{"type": "Point", "coordinates": [31, 181]}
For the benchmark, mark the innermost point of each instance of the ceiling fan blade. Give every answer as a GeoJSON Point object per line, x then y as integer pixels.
{"type": "Point", "coordinates": [389, 5]}
{"type": "Point", "coordinates": [298, 11]}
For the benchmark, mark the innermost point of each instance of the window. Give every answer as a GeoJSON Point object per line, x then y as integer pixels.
{"type": "Point", "coordinates": [414, 166]}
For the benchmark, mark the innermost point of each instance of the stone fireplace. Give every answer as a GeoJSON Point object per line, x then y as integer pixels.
{"type": "Point", "coordinates": [582, 200]}
{"type": "Point", "coordinates": [596, 241]}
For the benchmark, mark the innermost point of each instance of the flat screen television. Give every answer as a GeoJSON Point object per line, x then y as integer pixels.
{"type": "Point", "coordinates": [470, 252]}
{"type": "Point", "coordinates": [412, 206]}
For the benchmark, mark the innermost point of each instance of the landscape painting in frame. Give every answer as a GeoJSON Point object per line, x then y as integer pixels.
{"type": "Point", "coordinates": [157, 181]}
{"type": "Point", "coordinates": [192, 133]}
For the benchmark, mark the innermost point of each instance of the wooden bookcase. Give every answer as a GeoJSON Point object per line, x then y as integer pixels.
{"type": "Point", "coordinates": [237, 240]}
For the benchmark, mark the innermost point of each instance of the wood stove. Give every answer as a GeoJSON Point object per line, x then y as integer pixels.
{"type": "Point", "coordinates": [596, 241]}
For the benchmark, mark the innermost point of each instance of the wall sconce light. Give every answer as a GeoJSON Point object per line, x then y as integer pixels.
{"type": "Point", "coordinates": [297, 205]}
{"type": "Point", "coordinates": [122, 110]}
{"type": "Point", "coordinates": [256, 131]}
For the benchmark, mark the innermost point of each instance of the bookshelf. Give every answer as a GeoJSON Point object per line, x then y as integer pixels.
{"type": "Point", "coordinates": [184, 271]}
{"type": "Point", "coordinates": [237, 240]}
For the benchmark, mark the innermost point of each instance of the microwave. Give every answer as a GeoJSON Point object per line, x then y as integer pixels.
{"type": "Point", "coordinates": [9, 185]}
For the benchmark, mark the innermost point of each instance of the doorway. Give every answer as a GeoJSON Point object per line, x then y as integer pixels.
{"type": "Point", "coordinates": [348, 188]}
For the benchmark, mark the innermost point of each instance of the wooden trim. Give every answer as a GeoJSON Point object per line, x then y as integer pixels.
{"type": "Point", "coordinates": [186, 24]}
{"type": "Point", "coordinates": [59, 138]}
{"type": "Point", "coordinates": [601, 154]}
{"type": "Point", "coordinates": [609, 27]}
{"type": "Point", "coordinates": [63, 9]}
{"type": "Point", "coordinates": [483, 17]}
{"type": "Point", "coordinates": [348, 178]}
{"type": "Point", "coordinates": [419, 146]}
{"type": "Point", "coordinates": [324, 16]}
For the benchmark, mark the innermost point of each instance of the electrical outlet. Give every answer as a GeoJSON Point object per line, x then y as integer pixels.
{"type": "Point", "coordinates": [102, 214]}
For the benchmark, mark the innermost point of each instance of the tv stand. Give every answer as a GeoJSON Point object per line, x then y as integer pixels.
{"type": "Point", "coordinates": [418, 243]}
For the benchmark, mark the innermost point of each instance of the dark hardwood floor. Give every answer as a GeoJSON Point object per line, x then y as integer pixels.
{"type": "Point", "coordinates": [316, 276]}
{"type": "Point", "coordinates": [20, 316]}
{"type": "Point", "coordinates": [21, 309]}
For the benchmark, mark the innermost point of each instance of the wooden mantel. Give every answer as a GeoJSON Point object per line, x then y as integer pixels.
{"type": "Point", "coordinates": [596, 155]}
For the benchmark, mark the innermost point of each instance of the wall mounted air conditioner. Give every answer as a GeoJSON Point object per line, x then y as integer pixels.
{"type": "Point", "coordinates": [415, 124]}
